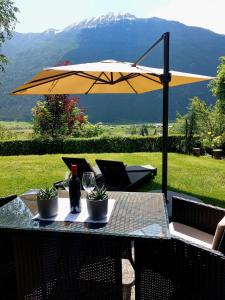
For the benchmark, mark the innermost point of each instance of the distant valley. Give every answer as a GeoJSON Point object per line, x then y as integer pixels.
{"type": "Point", "coordinates": [121, 37]}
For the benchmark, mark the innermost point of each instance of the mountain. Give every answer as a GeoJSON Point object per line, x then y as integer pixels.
{"type": "Point", "coordinates": [121, 37]}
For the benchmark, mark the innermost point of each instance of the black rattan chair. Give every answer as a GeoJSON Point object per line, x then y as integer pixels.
{"type": "Point", "coordinates": [67, 266]}
{"type": "Point", "coordinates": [200, 216]}
{"type": "Point", "coordinates": [175, 269]}
{"type": "Point", "coordinates": [7, 265]}
{"type": "Point", "coordinates": [124, 178]}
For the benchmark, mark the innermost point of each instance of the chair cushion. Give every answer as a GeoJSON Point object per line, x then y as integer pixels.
{"type": "Point", "coordinates": [218, 234]}
{"type": "Point", "coordinates": [191, 234]}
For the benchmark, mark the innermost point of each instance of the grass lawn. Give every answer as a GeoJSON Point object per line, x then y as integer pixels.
{"type": "Point", "coordinates": [202, 177]}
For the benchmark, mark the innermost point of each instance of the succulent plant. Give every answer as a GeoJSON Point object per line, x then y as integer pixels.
{"type": "Point", "coordinates": [47, 193]}
{"type": "Point", "coordinates": [98, 194]}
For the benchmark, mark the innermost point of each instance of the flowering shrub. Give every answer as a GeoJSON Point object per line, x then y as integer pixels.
{"type": "Point", "coordinates": [57, 116]}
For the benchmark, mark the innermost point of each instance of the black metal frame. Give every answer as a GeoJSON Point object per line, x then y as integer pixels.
{"type": "Point", "coordinates": [165, 79]}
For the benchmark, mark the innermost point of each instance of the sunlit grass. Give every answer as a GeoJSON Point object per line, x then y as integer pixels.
{"type": "Point", "coordinates": [201, 177]}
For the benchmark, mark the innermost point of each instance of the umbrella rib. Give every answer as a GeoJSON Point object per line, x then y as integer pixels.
{"type": "Point", "coordinates": [56, 77]}
{"type": "Point", "coordinates": [133, 75]}
{"type": "Point", "coordinates": [126, 80]}
{"type": "Point", "coordinates": [52, 78]}
{"type": "Point", "coordinates": [106, 77]}
{"type": "Point", "coordinates": [89, 76]}
{"type": "Point", "coordinates": [94, 83]}
{"type": "Point", "coordinates": [150, 78]}
{"type": "Point", "coordinates": [123, 78]}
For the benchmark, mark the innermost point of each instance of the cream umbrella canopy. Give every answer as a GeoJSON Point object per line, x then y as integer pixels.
{"type": "Point", "coordinates": [113, 77]}
{"type": "Point", "coordinates": [104, 77]}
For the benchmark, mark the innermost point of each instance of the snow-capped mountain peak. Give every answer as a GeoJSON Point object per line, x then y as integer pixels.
{"type": "Point", "coordinates": [102, 20]}
{"type": "Point", "coordinates": [51, 31]}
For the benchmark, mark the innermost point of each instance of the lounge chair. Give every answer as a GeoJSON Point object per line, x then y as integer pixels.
{"type": "Point", "coordinates": [125, 178]}
{"type": "Point", "coordinates": [82, 166]}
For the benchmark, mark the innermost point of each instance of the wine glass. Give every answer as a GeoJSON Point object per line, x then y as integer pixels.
{"type": "Point", "coordinates": [88, 181]}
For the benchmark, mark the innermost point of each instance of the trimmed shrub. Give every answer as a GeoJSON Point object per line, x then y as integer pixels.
{"type": "Point", "coordinates": [92, 145]}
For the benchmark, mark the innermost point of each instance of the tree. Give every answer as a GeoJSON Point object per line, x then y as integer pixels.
{"type": "Point", "coordinates": [144, 130]}
{"type": "Point", "coordinates": [57, 115]}
{"type": "Point", "coordinates": [205, 121]}
{"type": "Point", "coordinates": [217, 85]}
{"type": "Point", "coordinates": [7, 24]}
{"type": "Point", "coordinates": [196, 121]}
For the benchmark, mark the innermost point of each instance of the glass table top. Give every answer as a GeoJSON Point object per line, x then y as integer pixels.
{"type": "Point", "coordinates": [134, 215]}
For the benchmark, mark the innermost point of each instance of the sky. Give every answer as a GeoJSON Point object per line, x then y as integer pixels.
{"type": "Point", "coordinates": [40, 15]}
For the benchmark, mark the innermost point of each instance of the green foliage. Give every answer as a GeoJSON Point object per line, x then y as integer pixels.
{"type": "Point", "coordinates": [217, 118]}
{"type": "Point", "coordinates": [99, 193]}
{"type": "Point", "coordinates": [5, 134]}
{"type": "Point", "coordinates": [24, 130]}
{"type": "Point", "coordinates": [88, 130]}
{"type": "Point", "coordinates": [208, 122]}
{"type": "Point", "coordinates": [217, 85]}
{"type": "Point", "coordinates": [179, 125]}
{"type": "Point", "coordinates": [91, 145]}
{"type": "Point", "coordinates": [57, 116]}
{"type": "Point", "coordinates": [144, 130]}
{"type": "Point", "coordinates": [218, 141]}
{"type": "Point", "coordinates": [198, 116]}
{"type": "Point", "coordinates": [47, 193]}
{"type": "Point", "coordinates": [16, 131]}
{"type": "Point", "coordinates": [7, 24]}
{"type": "Point", "coordinates": [133, 130]}
{"type": "Point", "coordinates": [195, 122]}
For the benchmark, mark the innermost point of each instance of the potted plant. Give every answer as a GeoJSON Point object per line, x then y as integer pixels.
{"type": "Point", "coordinates": [97, 203]}
{"type": "Point", "coordinates": [197, 148]}
{"type": "Point", "coordinates": [217, 145]}
{"type": "Point", "coordinates": [47, 201]}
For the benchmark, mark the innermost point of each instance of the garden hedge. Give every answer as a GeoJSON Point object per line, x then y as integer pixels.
{"type": "Point", "coordinates": [91, 145]}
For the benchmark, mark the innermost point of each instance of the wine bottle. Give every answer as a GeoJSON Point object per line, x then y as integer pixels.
{"type": "Point", "coordinates": [74, 191]}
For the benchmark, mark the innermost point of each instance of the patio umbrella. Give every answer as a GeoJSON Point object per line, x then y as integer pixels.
{"type": "Point", "coordinates": [104, 77]}
{"type": "Point", "coordinates": [113, 77]}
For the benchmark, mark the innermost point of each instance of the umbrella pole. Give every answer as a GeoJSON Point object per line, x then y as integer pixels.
{"type": "Point", "coordinates": [165, 81]}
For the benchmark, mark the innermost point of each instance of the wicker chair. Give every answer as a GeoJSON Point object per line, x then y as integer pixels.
{"type": "Point", "coordinates": [175, 269]}
{"type": "Point", "coordinates": [67, 266]}
{"type": "Point", "coordinates": [200, 220]}
{"type": "Point", "coordinates": [180, 268]}
{"type": "Point", "coordinates": [7, 266]}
